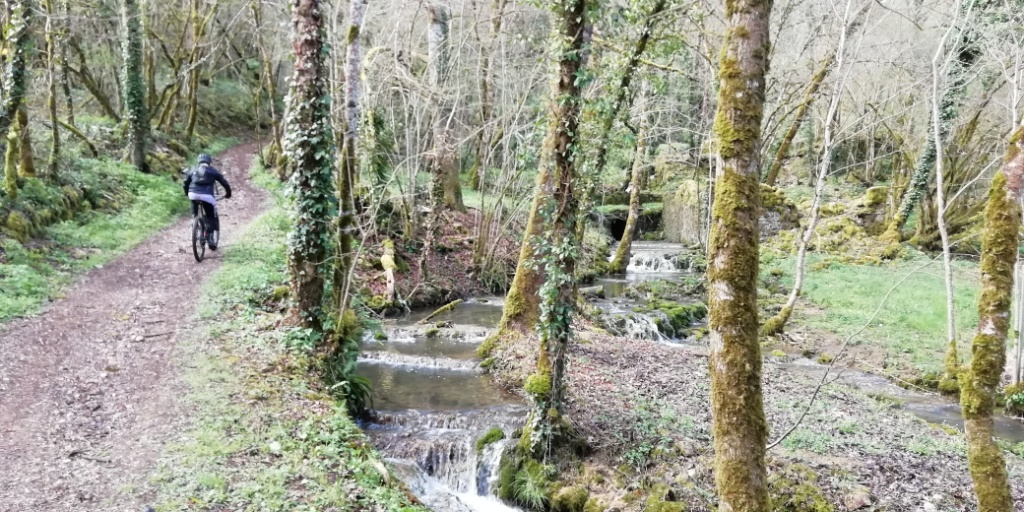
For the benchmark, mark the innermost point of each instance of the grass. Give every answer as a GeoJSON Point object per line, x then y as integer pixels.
{"type": "Point", "coordinates": [264, 434]}
{"type": "Point", "coordinates": [911, 324]}
{"type": "Point", "coordinates": [33, 273]}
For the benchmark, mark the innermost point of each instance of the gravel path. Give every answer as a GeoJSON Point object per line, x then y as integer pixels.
{"type": "Point", "coordinates": [88, 392]}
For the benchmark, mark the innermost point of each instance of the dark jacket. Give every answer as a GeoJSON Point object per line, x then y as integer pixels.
{"type": "Point", "coordinates": [200, 180]}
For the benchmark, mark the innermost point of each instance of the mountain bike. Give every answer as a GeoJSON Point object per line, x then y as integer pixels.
{"type": "Point", "coordinates": [200, 237]}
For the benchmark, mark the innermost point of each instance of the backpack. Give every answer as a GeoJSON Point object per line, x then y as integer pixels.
{"type": "Point", "coordinates": [199, 174]}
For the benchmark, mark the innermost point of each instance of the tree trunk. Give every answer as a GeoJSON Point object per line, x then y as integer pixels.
{"type": "Point", "coordinates": [443, 162]}
{"type": "Point", "coordinates": [18, 42]}
{"type": "Point", "coordinates": [1000, 241]}
{"type": "Point", "coordinates": [65, 75]}
{"type": "Point", "coordinates": [308, 147]}
{"type": "Point", "coordinates": [546, 387]}
{"type": "Point", "coordinates": [27, 155]}
{"type": "Point", "coordinates": [349, 162]}
{"type": "Point", "coordinates": [522, 303]}
{"type": "Point", "coordinates": [485, 139]}
{"type": "Point", "coordinates": [10, 168]}
{"type": "Point", "coordinates": [637, 183]}
{"type": "Point", "coordinates": [134, 88]}
{"type": "Point", "coordinates": [737, 403]}
{"type": "Point", "coordinates": [967, 53]}
{"type": "Point", "coordinates": [51, 90]}
{"type": "Point", "coordinates": [621, 95]}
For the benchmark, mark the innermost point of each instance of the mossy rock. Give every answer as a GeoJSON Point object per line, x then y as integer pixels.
{"type": "Point", "coordinates": [433, 332]}
{"type": "Point", "coordinates": [492, 436]}
{"type": "Point", "coordinates": [570, 499]}
{"type": "Point", "coordinates": [655, 504]}
{"type": "Point", "coordinates": [593, 505]}
{"type": "Point", "coordinates": [19, 226]}
{"type": "Point", "coordinates": [875, 196]}
{"type": "Point", "coordinates": [795, 489]}
{"type": "Point", "coordinates": [778, 213]}
{"type": "Point", "coordinates": [280, 293]}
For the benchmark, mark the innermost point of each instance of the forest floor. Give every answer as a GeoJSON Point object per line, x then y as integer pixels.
{"type": "Point", "coordinates": [120, 373]}
{"type": "Point", "coordinates": [642, 406]}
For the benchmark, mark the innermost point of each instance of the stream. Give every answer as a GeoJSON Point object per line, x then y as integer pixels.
{"type": "Point", "coordinates": [432, 403]}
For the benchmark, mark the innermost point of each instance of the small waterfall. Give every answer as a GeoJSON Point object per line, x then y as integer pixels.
{"type": "Point", "coordinates": [437, 457]}
{"type": "Point", "coordinates": [396, 359]}
{"type": "Point", "coordinates": [635, 326]}
{"type": "Point", "coordinates": [653, 262]}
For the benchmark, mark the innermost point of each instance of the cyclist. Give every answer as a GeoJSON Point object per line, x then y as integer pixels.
{"type": "Point", "coordinates": [198, 186]}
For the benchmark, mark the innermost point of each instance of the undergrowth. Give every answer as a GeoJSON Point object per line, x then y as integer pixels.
{"type": "Point", "coordinates": [265, 435]}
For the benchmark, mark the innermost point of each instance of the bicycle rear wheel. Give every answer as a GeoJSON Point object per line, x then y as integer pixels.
{"type": "Point", "coordinates": [198, 238]}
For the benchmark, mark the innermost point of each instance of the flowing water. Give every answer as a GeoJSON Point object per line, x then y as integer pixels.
{"type": "Point", "coordinates": [432, 403]}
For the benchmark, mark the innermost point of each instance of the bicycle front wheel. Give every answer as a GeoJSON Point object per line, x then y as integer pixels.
{"type": "Point", "coordinates": [198, 240]}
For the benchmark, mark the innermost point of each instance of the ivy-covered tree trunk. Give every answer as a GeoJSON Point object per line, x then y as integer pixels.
{"type": "Point", "coordinates": [637, 183]}
{"type": "Point", "coordinates": [1000, 240]}
{"type": "Point", "coordinates": [967, 53]}
{"type": "Point", "coordinates": [737, 403]}
{"type": "Point", "coordinates": [18, 43]}
{"type": "Point", "coordinates": [349, 162]}
{"type": "Point", "coordinates": [133, 84]}
{"type": "Point", "coordinates": [307, 144]}
{"type": "Point", "coordinates": [546, 387]}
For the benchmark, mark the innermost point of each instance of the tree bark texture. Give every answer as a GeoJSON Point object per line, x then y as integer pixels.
{"type": "Point", "coordinates": [134, 88]}
{"type": "Point", "coordinates": [349, 163]}
{"type": "Point", "coordinates": [310, 158]}
{"type": "Point", "coordinates": [737, 402]}
{"type": "Point", "coordinates": [546, 387]}
{"type": "Point", "coordinates": [1000, 241]}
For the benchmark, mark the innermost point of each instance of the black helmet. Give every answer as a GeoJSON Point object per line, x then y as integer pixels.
{"type": "Point", "coordinates": [204, 158]}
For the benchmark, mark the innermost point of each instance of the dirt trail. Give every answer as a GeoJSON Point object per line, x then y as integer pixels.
{"type": "Point", "coordinates": [88, 391]}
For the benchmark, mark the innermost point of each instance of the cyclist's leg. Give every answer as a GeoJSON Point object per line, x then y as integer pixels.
{"type": "Point", "coordinates": [211, 217]}
{"type": "Point", "coordinates": [195, 208]}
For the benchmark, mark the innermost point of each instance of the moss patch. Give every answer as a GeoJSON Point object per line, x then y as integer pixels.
{"type": "Point", "coordinates": [492, 436]}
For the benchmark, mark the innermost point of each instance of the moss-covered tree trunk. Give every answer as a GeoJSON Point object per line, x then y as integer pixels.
{"type": "Point", "coordinates": [608, 109]}
{"type": "Point", "coordinates": [637, 183]}
{"type": "Point", "coordinates": [133, 84]}
{"type": "Point", "coordinates": [51, 89]}
{"type": "Point", "coordinates": [522, 303]}
{"type": "Point", "coordinates": [10, 167]}
{"type": "Point", "coordinates": [1000, 240]}
{"type": "Point", "coordinates": [546, 387]}
{"type": "Point", "coordinates": [310, 158]}
{"type": "Point", "coordinates": [349, 161]}
{"type": "Point", "coordinates": [443, 162]}
{"type": "Point", "coordinates": [26, 153]}
{"type": "Point", "coordinates": [737, 403]}
{"type": "Point", "coordinates": [967, 53]}
{"type": "Point", "coordinates": [65, 75]}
